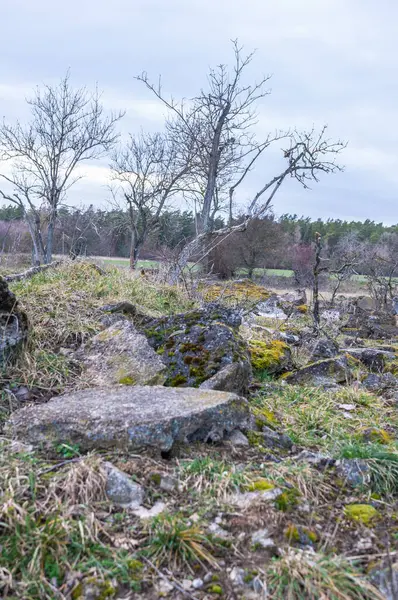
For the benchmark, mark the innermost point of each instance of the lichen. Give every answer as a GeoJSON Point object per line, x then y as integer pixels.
{"type": "Point", "coordinates": [361, 513]}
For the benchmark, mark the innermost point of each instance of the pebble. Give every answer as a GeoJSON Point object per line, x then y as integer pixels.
{"type": "Point", "coordinates": [197, 584]}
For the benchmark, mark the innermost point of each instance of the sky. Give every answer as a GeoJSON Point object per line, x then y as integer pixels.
{"type": "Point", "coordinates": [332, 62]}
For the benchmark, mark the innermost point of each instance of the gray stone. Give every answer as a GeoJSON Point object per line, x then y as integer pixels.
{"type": "Point", "coordinates": [13, 325]}
{"type": "Point", "coordinates": [202, 348]}
{"type": "Point", "coordinates": [120, 354]}
{"type": "Point", "coordinates": [237, 438]}
{"type": "Point", "coordinates": [197, 584]}
{"type": "Point", "coordinates": [219, 532]}
{"type": "Point", "coordinates": [354, 471]}
{"type": "Point", "coordinates": [261, 538]}
{"type": "Point", "coordinates": [324, 348]}
{"type": "Point", "coordinates": [121, 490]}
{"type": "Point", "coordinates": [168, 483]}
{"type": "Point", "coordinates": [246, 499]}
{"type": "Point", "coordinates": [373, 358]}
{"type": "Point", "coordinates": [380, 383]}
{"type": "Point", "coordinates": [130, 417]}
{"type": "Point", "coordinates": [315, 458]}
{"type": "Point", "coordinates": [273, 439]}
{"type": "Point", "coordinates": [386, 580]}
{"type": "Point", "coordinates": [325, 372]}
{"type": "Point", "coordinates": [149, 513]}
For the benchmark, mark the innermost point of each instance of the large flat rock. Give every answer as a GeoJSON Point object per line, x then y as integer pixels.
{"type": "Point", "coordinates": [130, 418]}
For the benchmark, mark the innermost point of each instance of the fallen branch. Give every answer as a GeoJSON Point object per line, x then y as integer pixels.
{"type": "Point", "coordinates": [32, 271]}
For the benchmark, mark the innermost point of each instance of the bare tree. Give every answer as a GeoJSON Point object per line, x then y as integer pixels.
{"type": "Point", "coordinates": [148, 171]}
{"type": "Point", "coordinates": [345, 261]}
{"type": "Point", "coordinates": [67, 127]}
{"type": "Point", "coordinates": [218, 127]}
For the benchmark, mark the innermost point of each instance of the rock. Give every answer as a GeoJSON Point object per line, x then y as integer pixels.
{"type": "Point", "coordinates": [124, 307]}
{"type": "Point", "coordinates": [273, 357]}
{"type": "Point", "coordinates": [197, 584]}
{"type": "Point", "coordinates": [327, 372]}
{"type": "Point", "coordinates": [130, 417]}
{"type": "Point", "coordinates": [380, 383]}
{"type": "Point", "coordinates": [149, 513]}
{"type": "Point", "coordinates": [246, 499]}
{"type": "Point", "coordinates": [20, 448]}
{"type": "Point", "coordinates": [324, 348]}
{"type": "Point", "coordinates": [121, 490]}
{"type": "Point", "coordinates": [237, 576]}
{"type": "Point", "coordinates": [354, 471]}
{"type": "Point", "coordinates": [164, 587]}
{"type": "Point", "coordinates": [288, 337]}
{"type": "Point", "coordinates": [373, 358]}
{"type": "Point", "coordinates": [232, 378]}
{"type": "Point", "coordinates": [237, 438]}
{"type": "Point", "coordinates": [13, 326]}
{"type": "Point", "coordinates": [120, 354]}
{"type": "Point", "coordinates": [273, 439]}
{"type": "Point", "coordinates": [168, 483]}
{"type": "Point", "coordinates": [202, 346]}
{"type": "Point", "coordinates": [385, 578]}
{"type": "Point", "coordinates": [22, 393]}
{"type": "Point", "coordinates": [261, 538]}
{"type": "Point", "coordinates": [270, 309]}
{"type": "Point", "coordinates": [330, 316]}
{"type": "Point", "coordinates": [315, 458]}
{"type": "Point", "coordinates": [218, 532]}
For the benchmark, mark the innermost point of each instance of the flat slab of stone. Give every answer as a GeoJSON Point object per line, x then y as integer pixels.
{"type": "Point", "coordinates": [130, 418]}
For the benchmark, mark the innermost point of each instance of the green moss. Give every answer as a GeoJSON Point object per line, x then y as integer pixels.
{"type": "Point", "coordinates": [127, 380]}
{"type": "Point", "coordinates": [156, 478]}
{"type": "Point", "coordinates": [176, 381]}
{"type": "Point", "coordinates": [287, 500]}
{"type": "Point", "coordinates": [264, 416]}
{"type": "Point", "coordinates": [256, 439]}
{"type": "Point", "coordinates": [135, 566]}
{"type": "Point", "coordinates": [392, 367]}
{"type": "Point", "coordinates": [260, 485]}
{"type": "Point", "coordinates": [215, 589]}
{"type": "Point", "coordinates": [303, 308]}
{"type": "Point", "coordinates": [377, 436]}
{"type": "Point", "coordinates": [300, 534]}
{"type": "Point", "coordinates": [266, 356]}
{"type": "Point", "coordinates": [160, 350]}
{"type": "Point", "coordinates": [361, 513]}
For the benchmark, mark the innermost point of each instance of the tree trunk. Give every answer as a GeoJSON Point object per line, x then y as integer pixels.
{"type": "Point", "coordinates": [135, 249]}
{"type": "Point", "coordinates": [50, 240]}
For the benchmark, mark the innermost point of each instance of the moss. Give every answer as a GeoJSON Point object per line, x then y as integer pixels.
{"type": "Point", "coordinates": [215, 589]}
{"type": "Point", "coordinates": [135, 566]}
{"type": "Point", "coordinates": [264, 416]}
{"type": "Point", "coordinates": [256, 439]}
{"type": "Point", "coordinates": [191, 347]}
{"type": "Point", "coordinates": [361, 513]}
{"type": "Point", "coordinates": [392, 367]}
{"type": "Point", "coordinates": [260, 485]}
{"type": "Point", "coordinates": [300, 534]}
{"type": "Point", "coordinates": [267, 355]}
{"type": "Point", "coordinates": [160, 350]}
{"type": "Point", "coordinates": [237, 290]}
{"type": "Point", "coordinates": [303, 309]}
{"type": "Point", "coordinates": [176, 381]}
{"type": "Point", "coordinates": [127, 380]}
{"type": "Point", "coordinates": [106, 335]}
{"type": "Point", "coordinates": [287, 500]}
{"type": "Point", "coordinates": [377, 436]}
{"type": "Point", "coordinates": [156, 478]}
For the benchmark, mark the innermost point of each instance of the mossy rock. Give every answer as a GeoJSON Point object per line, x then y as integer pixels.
{"type": "Point", "coordinates": [377, 436]}
{"type": "Point", "coordinates": [365, 514]}
{"type": "Point", "coordinates": [273, 357]}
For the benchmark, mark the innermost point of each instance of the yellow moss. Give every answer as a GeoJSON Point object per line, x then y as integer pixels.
{"type": "Point", "coordinates": [215, 589]}
{"type": "Point", "coordinates": [256, 439]}
{"type": "Point", "coordinates": [361, 513]}
{"type": "Point", "coordinates": [378, 436]}
{"type": "Point", "coordinates": [267, 355]}
{"type": "Point", "coordinates": [260, 485]}
{"type": "Point", "coordinates": [264, 416]}
{"type": "Point", "coordinates": [295, 534]}
{"type": "Point", "coordinates": [127, 380]}
{"type": "Point", "coordinates": [303, 308]}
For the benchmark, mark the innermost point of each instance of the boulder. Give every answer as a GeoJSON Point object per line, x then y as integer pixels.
{"type": "Point", "coordinates": [373, 358]}
{"type": "Point", "coordinates": [273, 357]}
{"type": "Point", "coordinates": [130, 418]}
{"type": "Point", "coordinates": [121, 355]}
{"type": "Point", "coordinates": [13, 325]}
{"type": "Point", "coordinates": [380, 384]}
{"type": "Point", "coordinates": [326, 373]}
{"type": "Point", "coordinates": [324, 348]}
{"type": "Point", "coordinates": [202, 346]}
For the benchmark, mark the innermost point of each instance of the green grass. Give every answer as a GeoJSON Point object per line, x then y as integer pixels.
{"type": "Point", "coordinates": [212, 477]}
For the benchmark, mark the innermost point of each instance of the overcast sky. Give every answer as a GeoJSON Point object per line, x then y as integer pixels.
{"type": "Point", "coordinates": [332, 61]}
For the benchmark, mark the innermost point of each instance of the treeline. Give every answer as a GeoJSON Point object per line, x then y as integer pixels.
{"type": "Point", "coordinates": [268, 242]}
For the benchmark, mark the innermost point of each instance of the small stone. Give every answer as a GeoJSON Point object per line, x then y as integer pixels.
{"type": "Point", "coordinates": [237, 575]}
{"type": "Point", "coordinates": [218, 531]}
{"type": "Point", "coordinates": [20, 448]}
{"type": "Point", "coordinates": [237, 438]}
{"type": "Point", "coordinates": [245, 499]}
{"type": "Point", "coordinates": [186, 584]}
{"type": "Point", "coordinates": [197, 584]}
{"type": "Point", "coordinates": [273, 439]}
{"type": "Point", "coordinates": [168, 483]}
{"type": "Point", "coordinates": [23, 394]}
{"type": "Point", "coordinates": [347, 406]}
{"type": "Point", "coordinates": [208, 577]}
{"type": "Point", "coordinates": [121, 490]}
{"type": "Point", "coordinates": [165, 587]}
{"type": "Point", "coordinates": [261, 538]}
{"type": "Point", "coordinates": [145, 513]}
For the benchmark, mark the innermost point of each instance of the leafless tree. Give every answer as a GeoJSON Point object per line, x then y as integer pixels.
{"type": "Point", "coordinates": [67, 127]}
{"type": "Point", "coordinates": [217, 126]}
{"type": "Point", "coordinates": [148, 171]}
{"type": "Point", "coordinates": [381, 268]}
{"type": "Point", "coordinates": [346, 260]}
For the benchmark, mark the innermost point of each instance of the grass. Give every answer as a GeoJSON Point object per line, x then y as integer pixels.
{"type": "Point", "coordinates": [173, 542]}
{"type": "Point", "coordinates": [212, 477]}
{"type": "Point", "coordinates": [63, 304]}
{"type": "Point", "coordinates": [382, 465]}
{"type": "Point", "coordinates": [312, 417]}
{"type": "Point", "coordinates": [303, 575]}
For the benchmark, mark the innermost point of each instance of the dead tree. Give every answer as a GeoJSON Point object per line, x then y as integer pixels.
{"type": "Point", "coordinates": [318, 269]}
{"type": "Point", "coordinates": [67, 127]}
{"type": "Point", "coordinates": [218, 128]}
{"type": "Point", "coordinates": [148, 171]}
